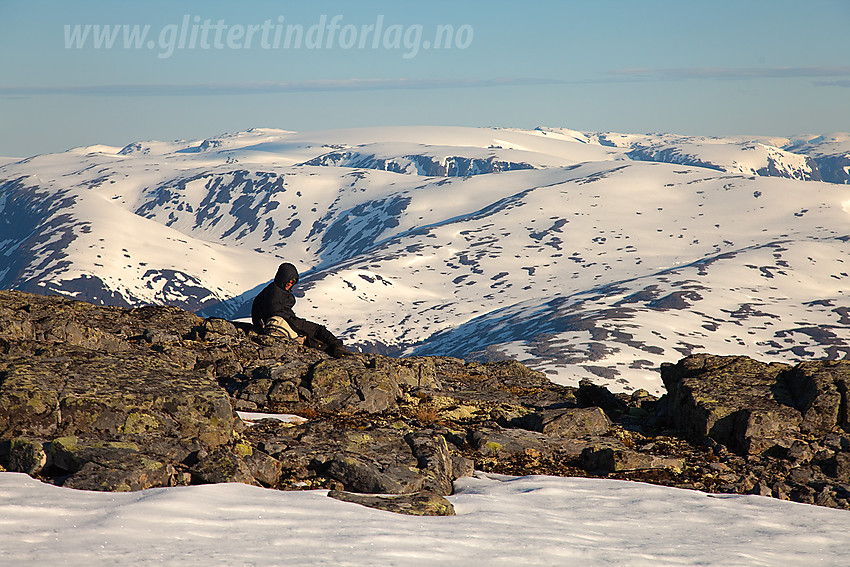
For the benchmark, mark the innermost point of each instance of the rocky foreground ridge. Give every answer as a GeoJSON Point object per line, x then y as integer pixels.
{"type": "Point", "coordinates": [107, 398]}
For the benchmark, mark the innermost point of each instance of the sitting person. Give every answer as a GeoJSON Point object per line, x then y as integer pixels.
{"type": "Point", "coordinates": [271, 313]}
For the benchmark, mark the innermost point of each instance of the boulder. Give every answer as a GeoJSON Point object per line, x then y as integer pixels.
{"type": "Point", "coordinates": [264, 469]}
{"type": "Point", "coordinates": [433, 459]}
{"type": "Point", "coordinates": [820, 392]}
{"type": "Point", "coordinates": [841, 469]}
{"type": "Point", "coordinates": [570, 422]}
{"type": "Point", "coordinates": [414, 372]}
{"type": "Point", "coordinates": [373, 459]}
{"type": "Point", "coordinates": [349, 385]}
{"type": "Point", "coordinates": [416, 504]}
{"type": "Point", "coordinates": [71, 391]}
{"type": "Point", "coordinates": [738, 402]}
{"type": "Point", "coordinates": [752, 406]}
{"type": "Point", "coordinates": [136, 472]}
{"type": "Point", "coordinates": [221, 465]}
{"type": "Point", "coordinates": [27, 455]}
{"type": "Point", "coordinates": [113, 466]}
{"type": "Point", "coordinates": [615, 458]}
{"type": "Point", "coordinates": [501, 443]}
{"type": "Point", "coordinates": [591, 395]}
{"type": "Point", "coordinates": [361, 475]}
{"type": "Point", "coordinates": [216, 326]}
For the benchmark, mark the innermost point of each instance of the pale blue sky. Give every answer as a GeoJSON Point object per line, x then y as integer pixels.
{"type": "Point", "coordinates": [716, 67]}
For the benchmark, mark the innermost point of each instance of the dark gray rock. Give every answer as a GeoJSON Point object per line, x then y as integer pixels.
{"type": "Point", "coordinates": [216, 326]}
{"type": "Point", "coordinates": [615, 458]}
{"type": "Point", "coordinates": [799, 452]}
{"type": "Point", "coordinates": [414, 372]}
{"type": "Point", "coordinates": [417, 504]}
{"type": "Point", "coordinates": [591, 395]}
{"type": "Point", "coordinates": [571, 422]}
{"type": "Point", "coordinates": [434, 460]}
{"type": "Point", "coordinates": [27, 455]}
{"type": "Point", "coordinates": [223, 465]}
{"type": "Point", "coordinates": [461, 466]}
{"type": "Point", "coordinates": [134, 472]}
{"type": "Point", "coordinates": [264, 469]}
{"type": "Point", "coordinates": [820, 392]}
{"type": "Point", "coordinates": [839, 467]}
{"type": "Point", "coordinates": [757, 430]}
{"type": "Point", "coordinates": [73, 391]}
{"type": "Point", "coordinates": [348, 385]}
{"type": "Point", "coordinates": [108, 465]}
{"type": "Point", "coordinates": [358, 475]}
{"type": "Point", "coordinates": [737, 401]}
{"type": "Point", "coordinates": [507, 443]}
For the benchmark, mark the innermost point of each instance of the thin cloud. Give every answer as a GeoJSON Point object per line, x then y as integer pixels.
{"type": "Point", "coordinates": [686, 73]}
{"type": "Point", "coordinates": [845, 83]}
{"type": "Point", "coordinates": [200, 89]}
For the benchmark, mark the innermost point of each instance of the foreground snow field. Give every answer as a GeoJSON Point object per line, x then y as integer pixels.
{"type": "Point", "coordinates": [500, 521]}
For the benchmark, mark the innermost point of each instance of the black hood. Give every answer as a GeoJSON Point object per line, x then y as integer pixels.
{"type": "Point", "coordinates": [285, 273]}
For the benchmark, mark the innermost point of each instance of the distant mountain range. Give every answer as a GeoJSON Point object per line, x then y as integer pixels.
{"type": "Point", "coordinates": [595, 255]}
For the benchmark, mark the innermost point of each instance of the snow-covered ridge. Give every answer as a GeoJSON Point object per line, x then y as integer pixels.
{"type": "Point", "coordinates": [584, 254]}
{"type": "Point", "coordinates": [809, 158]}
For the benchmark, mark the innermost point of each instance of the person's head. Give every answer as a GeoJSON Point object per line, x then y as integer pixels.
{"type": "Point", "coordinates": [287, 276]}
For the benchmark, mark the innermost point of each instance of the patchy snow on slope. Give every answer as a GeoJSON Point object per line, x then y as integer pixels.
{"type": "Point", "coordinates": [586, 255]}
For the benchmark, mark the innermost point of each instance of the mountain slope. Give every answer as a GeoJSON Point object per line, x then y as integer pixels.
{"type": "Point", "coordinates": [583, 254]}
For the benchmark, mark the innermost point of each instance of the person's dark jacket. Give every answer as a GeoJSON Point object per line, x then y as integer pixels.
{"type": "Point", "coordinates": [274, 299]}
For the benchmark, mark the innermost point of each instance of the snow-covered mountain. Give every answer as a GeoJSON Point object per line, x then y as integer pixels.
{"type": "Point", "coordinates": [595, 255]}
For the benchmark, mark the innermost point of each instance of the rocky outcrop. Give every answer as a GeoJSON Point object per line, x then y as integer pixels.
{"type": "Point", "coordinates": [789, 425]}
{"type": "Point", "coordinates": [124, 399]}
{"type": "Point", "coordinates": [743, 404]}
{"type": "Point", "coordinates": [752, 407]}
{"type": "Point", "coordinates": [427, 165]}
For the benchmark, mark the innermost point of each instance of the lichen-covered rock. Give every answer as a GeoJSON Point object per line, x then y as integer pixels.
{"type": "Point", "coordinates": [619, 458]}
{"type": "Point", "coordinates": [124, 399]}
{"type": "Point", "coordinates": [417, 504]}
{"type": "Point", "coordinates": [821, 391]}
{"type": "Point", "coordinates": [107, 465]}
{"type": "Point", "coordinates": [349, 385]}
{"type": "Point", "coordinates": [216, 326]}
{"type": "Point", "coordinates": [223, 464]}
{"type": "Point", "coordinates": [264, 469]}
{"type": "Point", "coordinates": [413, 372]}
{"type": "Point", "coordinates": [737, 401]}
{"type": "Point", "coordinates": [72, 391]}
{"type": "Point", "coordinates": [757, 430]}
{"type": "Point", "coordinates": [751, 406]}
{"type": "Point", "coordinates": [434, 460]}
{"type": "Point", "coordinates": [134, 472]}
{"type": "Point", "coordinates": [506, 443]}
{"type": "Point", "coordinates": [570, 422]}
{"type": "Point", "coordinates": [361, 475]}
{"type": "Point", "coordinates": [27, 455]}
{"type": "Point", "coordinates": [109, 391]}
{"type": "Point", "coordinates": [373, 459]}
